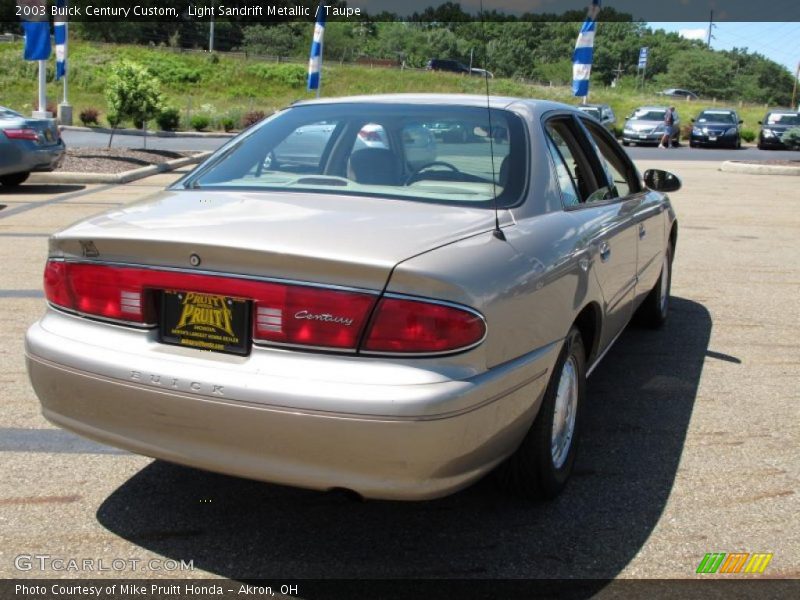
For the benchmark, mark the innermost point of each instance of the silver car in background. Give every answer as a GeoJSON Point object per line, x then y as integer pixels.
{"type": "Point", "coordinates": [355, 321]}
{"type": "Point", "coordinates": [27, 145]}
{"type": "Point", "coordinates": [645, 125]}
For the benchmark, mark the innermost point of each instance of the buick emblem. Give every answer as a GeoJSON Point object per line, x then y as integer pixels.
{"type": "Point", "coordinates": [194, 260]}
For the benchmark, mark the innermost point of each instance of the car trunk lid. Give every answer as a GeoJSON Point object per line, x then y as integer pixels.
{"type": "Point", "coordinates": [323, 238]}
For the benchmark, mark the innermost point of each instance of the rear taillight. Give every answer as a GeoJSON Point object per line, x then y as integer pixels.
{"type": "Point", "coordinates": [415, 326]}
{"type": "Point", "coordinates": [22, 134]}
{"type": "Point", "coordinates": [287, 314]}
{"type": "Point", "coordinates": [101, 291]}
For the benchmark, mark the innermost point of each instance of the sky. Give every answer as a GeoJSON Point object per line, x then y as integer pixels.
{"type": "Point", "coordinates": [779, 41]}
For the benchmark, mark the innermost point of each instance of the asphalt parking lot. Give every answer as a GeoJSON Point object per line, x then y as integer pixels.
{"type": "Point", "coordinates": [691, 440]}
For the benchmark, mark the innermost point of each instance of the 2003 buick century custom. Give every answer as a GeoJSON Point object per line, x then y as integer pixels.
{"type": "Point", "coordinates": [306, 309]}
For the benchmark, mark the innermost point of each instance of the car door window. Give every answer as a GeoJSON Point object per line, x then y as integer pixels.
{"type": "Point", "coordinates": [566, 181]}
{"type": "Point", "coordinates": [571, 147]}
{"type": "Point", "coordinates": [622, 177]}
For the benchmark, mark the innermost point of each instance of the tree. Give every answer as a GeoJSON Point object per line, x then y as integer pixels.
{"type": "Point", "coordinates": [702, 71]}
{"type": "Point", "coordinates": [132, 93]}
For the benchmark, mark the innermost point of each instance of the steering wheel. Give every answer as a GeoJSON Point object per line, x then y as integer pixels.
{"type": "Point", "coordinates": [435, 163]}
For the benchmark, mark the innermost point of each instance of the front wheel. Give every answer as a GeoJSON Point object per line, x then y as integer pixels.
{"type": "Point", "coordinates": [14, 179]}
{"type": "Point", "coordinates": [541, 466]}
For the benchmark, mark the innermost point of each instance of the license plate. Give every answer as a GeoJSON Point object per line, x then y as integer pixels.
{"type": "Point", "coordinates": [205, 321]}
{"type": "Point", "coordinates": [642, 137]}
{"type": "Point", "coordinates": [712, 138]}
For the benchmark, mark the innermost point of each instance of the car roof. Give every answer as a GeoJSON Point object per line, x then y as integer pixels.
{"type": "Point", "coordinates": [651, 108]}
{"type": "Point", "coordinates": [579, 106]}
{"type": "Point", "coordinates": [500, 102]}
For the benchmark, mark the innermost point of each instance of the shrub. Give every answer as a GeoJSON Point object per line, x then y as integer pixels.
{"type": "Point", "coordinates": [200, 122]}
{"type": "Point", "coordinates": [88, 116]}
{"type": "Point", "coordinates": [227, 123]}
{"type": "Point", "coordinates": [133, 93]}
{"type": "Point", "coordinates": [49, 107]}
{"type": "Point", "coordinates": [748, 135]}
{"type": "Point", "coordinates": [290, 75]}
{"type": "Point", "coordinates": [113, 119]}
{"type": "Point", "coordinates": [169, 119]}
{"type": "Point", "coordinates": [252, 117]}
{"type": "Point", "coordinates": [792, 138]}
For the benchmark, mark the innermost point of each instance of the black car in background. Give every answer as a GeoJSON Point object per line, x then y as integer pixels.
{"type": "Point", "coordinates": [774, 125]}
{"type": "Point", "coordinates": [601, 112]}
{"type": "Point", "coordinates": [717, 127]}
{"type": "Point", "coordinates": [452, 66]}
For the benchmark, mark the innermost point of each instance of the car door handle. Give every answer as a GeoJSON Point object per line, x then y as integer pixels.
{"type": "Point", "coordinates": [605, 251]}
{"type": "Point", "coordinates": [642, 231]}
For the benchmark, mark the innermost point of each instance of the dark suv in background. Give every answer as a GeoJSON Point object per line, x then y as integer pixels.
{"type": "Point", "coordinates": [453, 66]}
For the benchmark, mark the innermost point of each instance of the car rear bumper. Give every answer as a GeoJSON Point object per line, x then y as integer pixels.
{"type": "Point", "coordinates": [644, 138]}
{"type": "Point", "coordinates": [394, 433]}
{"type": "Point", "coordinates": [17, 159]}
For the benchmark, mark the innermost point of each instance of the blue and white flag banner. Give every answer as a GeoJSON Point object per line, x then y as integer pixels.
{"type": "Point", "coordinates": [37, 33]}
{"type": "Point", "coordinates": [584, 53]}
{"type": "Point", "coordinates": [315, 58]}
{"type": "Point", "coordinates": [60, 30]}
{"type": "Point", "coordinates": [643, 57]}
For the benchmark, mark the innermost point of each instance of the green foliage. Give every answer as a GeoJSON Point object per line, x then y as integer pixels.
{"type": "Point", "coordinates": [704, 72]}
{"type": "Point", "coordinates": [132, 93]}
{"type": "Point", "coordinates": [88, 116]}
{"type": "Point", "coordinates": [284, 74]}
{"type": "Point", "coordinates": [227, 123]}
{"type": "Point", "coordinates": [169, 119]}
{"type": "Point", "coordinates": [792, 138]}
{"type": "Point", "coordinates": [200, 122]}
{"type": "Point", "coordinates": [748, 135]}
{"type": "Point", "coordinates": [279, 39]}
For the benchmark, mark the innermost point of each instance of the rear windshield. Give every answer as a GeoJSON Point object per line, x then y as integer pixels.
{"type": "Point", "coordinates": [716, 116]}
{"type": "Point", "coordinates": [648, 114]}
{"type": "Point", "coordinates": [443, 154]}
{"type": "Point", "coordinates": [783, 119]}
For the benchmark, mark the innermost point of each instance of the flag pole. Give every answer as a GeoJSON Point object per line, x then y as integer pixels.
{"type": "Point", "coordinates": [319, 85]}
{"type": "Point", "coordinates": [43, 90]}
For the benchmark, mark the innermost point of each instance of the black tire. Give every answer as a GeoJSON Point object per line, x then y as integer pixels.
{"type": "Point", "coordinates": [532, 471]}
{"type": "Point", "coordinates": [13, 179]}
{"type": "Point", "coordinates": [653, 312]}
{"type": "Point", "coordinates": [624, 143]}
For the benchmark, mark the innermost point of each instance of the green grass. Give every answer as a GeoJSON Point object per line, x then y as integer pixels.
{"type": "Point", "coordinates": [222, 86]}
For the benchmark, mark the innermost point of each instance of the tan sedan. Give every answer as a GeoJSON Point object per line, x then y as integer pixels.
{"type": "Point", "coordinates": [353, 319]}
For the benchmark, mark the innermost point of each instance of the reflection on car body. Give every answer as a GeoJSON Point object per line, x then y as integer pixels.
{"type": "Point", "coordinates": [357, 321]}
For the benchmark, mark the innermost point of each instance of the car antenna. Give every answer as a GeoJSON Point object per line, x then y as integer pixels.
{"type": "Point", "coordinates": [498, 233]}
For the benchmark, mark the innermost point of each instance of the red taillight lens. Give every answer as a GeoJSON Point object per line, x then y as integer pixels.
{"type": "Point", "coordinates": [288, 314]}
{"type": "Point", "coordinates": [283, 313]}
{"type": "Point", "coordinates": [108, 292]}
{"type": "Point", "coordinates": [413, 326]}
{"type": "Point", "coordinates": [22, 134]}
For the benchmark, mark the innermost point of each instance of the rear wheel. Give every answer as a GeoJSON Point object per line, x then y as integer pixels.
{"type": "Point", "coordinates": [655, 309]}
{"type": "Point", "coordinates": [13, 179]}
{"type": "Point", "coordinates": [541, 466]}
{"type": "Point", "coordinates": [624, 143]}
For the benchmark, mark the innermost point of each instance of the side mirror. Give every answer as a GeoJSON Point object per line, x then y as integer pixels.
{"type": "Point", "coordinates": [760, 123]}
{"type": "Point", "coordinates": [692, 120]}
{"type": "Point", "coordinates": [661, 181]}
{"type": "Point", "coordinates": [741, 122]}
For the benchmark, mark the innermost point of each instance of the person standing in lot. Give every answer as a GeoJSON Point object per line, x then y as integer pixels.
{"type": "Point", "coordinates": [669, 124]}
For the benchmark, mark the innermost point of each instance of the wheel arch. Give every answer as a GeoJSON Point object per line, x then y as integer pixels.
{"type": "Point", "coordinates": [588, 322]}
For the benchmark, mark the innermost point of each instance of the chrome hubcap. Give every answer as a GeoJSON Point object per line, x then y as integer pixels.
{"type": "Point", "coordinates": [565, 411]}
{"type": "Point", "coordinates": [664, 284]}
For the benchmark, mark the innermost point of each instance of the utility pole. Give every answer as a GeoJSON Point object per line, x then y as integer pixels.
{"type": "Point", "coordinates": [211, 35]}
{"type": "Point", "coordinates": [710, 28]}
{"type": "Point", "coordinates": [618, 72]}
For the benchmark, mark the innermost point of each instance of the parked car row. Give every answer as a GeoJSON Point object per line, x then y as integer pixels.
{"type": "Point", "coordinates": [713, 127]}
{"type": "Point", "coordinates": [454, 66]}
{"type": "Point", "coordinates": [27, 145]}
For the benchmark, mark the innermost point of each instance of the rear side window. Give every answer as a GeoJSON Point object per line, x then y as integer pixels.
{"type": "Point", "coordinates": [619, 172]}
